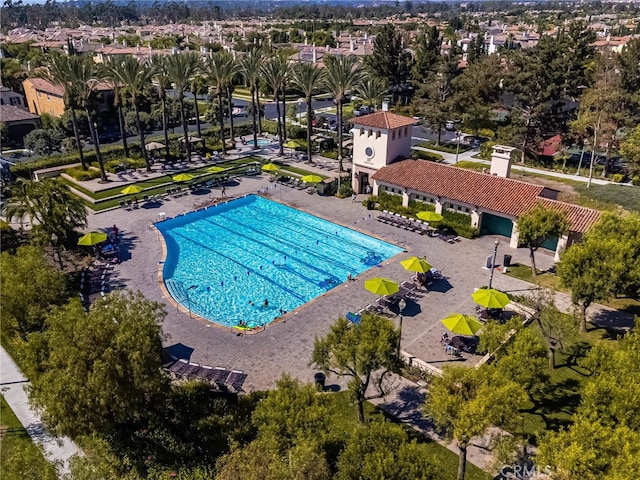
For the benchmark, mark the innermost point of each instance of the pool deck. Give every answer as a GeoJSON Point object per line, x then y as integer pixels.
{"type": "Point", "coordinates": [286, 346]}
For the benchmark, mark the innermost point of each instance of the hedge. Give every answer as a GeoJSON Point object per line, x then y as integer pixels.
{"type": "Point", "coordinates": [422, 155]}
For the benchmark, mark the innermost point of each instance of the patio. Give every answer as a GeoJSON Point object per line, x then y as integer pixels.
{"type": "Point", "coordinates": [286, 346]}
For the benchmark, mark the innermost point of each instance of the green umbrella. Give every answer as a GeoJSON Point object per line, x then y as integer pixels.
{"type": "Point", "coordinates": [461, 324]}
{"type": "Point", "coordinates": [311, 179]}
{"type": "Point", "coordinates": [490, 298]}
{"type": "Point", "coordinates": [183, 177]}
{"type": "Point", "coordinates": [429, 216]}
{"type": "Point", "coordinates": [92, 238]}
{"type": "Point", "coordinates": [415, 264]}
{"type": "Point", "coordinates": [270, 167]}
{"type": "Point", "coordinates": [131, 190]}
{"type": "Point", "coordinates": [291, 144]}
{"type": "Point", "coordinates": [215, 169]}
{"type": "Point", "coordinates": [381, 286]}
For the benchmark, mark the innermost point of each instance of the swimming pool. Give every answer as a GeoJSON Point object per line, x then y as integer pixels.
{"type": "Point", "coordinates": [261, 142]}
{"type": "Point", "coordinates": [222, 263]}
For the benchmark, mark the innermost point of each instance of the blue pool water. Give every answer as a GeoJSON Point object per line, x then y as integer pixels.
{"type": "Point", "coordinates": [261, 142]}
{"type": "Point", "coordinates": [251, 249]}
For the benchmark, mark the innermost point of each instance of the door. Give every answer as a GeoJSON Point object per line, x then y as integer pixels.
{"type": "Point", "coordinates": [495, 225]}
{"type": "Point", "coordinates": [364, 181]}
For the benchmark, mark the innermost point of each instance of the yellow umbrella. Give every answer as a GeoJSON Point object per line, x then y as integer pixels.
{"type": "Point", "coordinates": [183, 177]}
{"type": "Point", "coordinates": [92, 238]}
{"type": "Point", "coordinates": [381, 286]}
{"type": "Point", "coordinates": [415, 264]}
{"type": "Point", "coordinates": [490, 298]}
{"type": "Point", "coordinates": [131, 190]}
{"type": "Point", "coordinates": [461, 324]}
{"type": "Point", "coordinates": [215, 169]}
{"type": "Point", "coordinates": [270, 167]}
{"type": "Point", "coordinates": [311, 179]}
{"type": "Point", "coordinates": [429, 216]}
{"type": "Point", "coordinates": [291, 144]}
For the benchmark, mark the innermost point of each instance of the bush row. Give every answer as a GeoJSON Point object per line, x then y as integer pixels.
{"type": "Point", "coordinates": [458, 223]}
{"type": "Point", "coordinates": [422, 155]}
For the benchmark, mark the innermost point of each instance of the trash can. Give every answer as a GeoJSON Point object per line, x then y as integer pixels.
{"type": "Point", "coordinates": [319, 379]}
{"type": "Point", "coordinates": [506, 261]}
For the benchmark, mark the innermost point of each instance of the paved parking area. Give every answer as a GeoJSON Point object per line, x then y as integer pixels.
{"type": "Point", "coordinates": [286, 346]}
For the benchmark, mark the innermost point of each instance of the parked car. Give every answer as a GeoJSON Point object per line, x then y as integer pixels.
{"type": "Point", "coordinates": [450, 125]}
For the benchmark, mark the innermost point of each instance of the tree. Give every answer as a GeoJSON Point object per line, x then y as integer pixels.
{"type": "Point", "coordinates": [60, 73]}
{"type": "Point", "coordinates": [539, 225]}
{"type": "Point", "coordinates": [372, 91]}
{"type": "Point", "coordinates": [628, 63]}
{"type": "Point", "coordinates": [30, 288]}
{"type": "Point", "coordinates": [343, 74]}
{"type": "Point", "coordinates": [389, 59]}
{"type": "Point", "coordinates": [603, 442]}
{"type": "Point", "coordinates": [357, 351]}
{"type": "Point", "coordinates": [135, 77]}
{"type": "Point", "coordinates": [98, 371]}
{"type": "Point", "coordinates": [427, 56]}
{"type": "Point", "coordinates": [180, 70]}
{"type": "Point", "coordinates": [163, 82]}
{"type": "Point", "coordinates": [221, 69]}
{"type": "Point", "coordinates": [605, 263]}
{"type": "Point", "coordinates": [630, 147]}
{"type": "Point", "coordinates": [274, 71]}
{"type": "Point", "coordinates": [40, 141]}
{"type": "Point", "coordinates": [250, 66]}
{"type": "Point", "coordinates": [309, 80]}
{"type": "Point", "coordinates": [382, 450]}
{"type": "Point", "coordinates": [477, 88]}
{"type": "Point", "coordinates": [50, 208]}
{"type": "Point", "coordinates": [118, 100]}
{"type": "Point", "coordinates": [466, 402]}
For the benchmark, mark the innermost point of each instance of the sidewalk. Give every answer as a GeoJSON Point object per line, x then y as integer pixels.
{"type": "Point", "coordinates": [450, 158]}
{"type": "Point", "coordinates": [12, 384]}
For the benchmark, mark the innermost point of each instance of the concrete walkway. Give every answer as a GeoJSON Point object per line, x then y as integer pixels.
{"type": "Point", "coordinates": [57, 450]}
{"type": "Point", "coordinates": [468, 156]}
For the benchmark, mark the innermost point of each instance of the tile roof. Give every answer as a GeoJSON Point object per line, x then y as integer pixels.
{"type": "Point", "coordinates": [490, 192]}
{"type": "Point", "coordinates": [11, 113]}
{"type": "Point", "coordinates": [383, 119]}
{"type": "Point", "coordinates": [502, 195]}
{"type": "Point", "coordinates": [45, 86]}
{"type": "Point", "coordinates": [581, 218]}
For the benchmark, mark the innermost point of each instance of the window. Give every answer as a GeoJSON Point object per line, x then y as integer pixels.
{"type": "Point", "coordinates": [393, 135]}
{"type": "Point", "coordinates": [361, 131]}
{"type": "Point", "coordinates": [406, 131]}
{"type": "Point", "coordinates": [48, 97]}
{"type": "Point", "coordinates": [369, 133]}
{"type": "Point", "coordinates": [39, 94]}
{"type": "Point", "coordinates": [377, 133]}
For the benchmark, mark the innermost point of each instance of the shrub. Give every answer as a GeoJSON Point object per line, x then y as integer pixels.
{"type": "Point", "coordinates": [458, 223]}
{"type": "Point", "coordinates": [617, 177]}
{"type": "Point", "coordinates": [421, 155]}
{"type": "Point", "coordinates": [486, 132]}
{"type": "Point", "coordinates": [636, 180]}
{"type": "Point", "coordinates": [333, 154]}
{"type": "Point", "coordinates": [486, 149]}
{"type": "Point", "coordinates": [81, 175]}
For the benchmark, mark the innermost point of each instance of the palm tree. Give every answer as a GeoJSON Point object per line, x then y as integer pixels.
{"type": "Point", "coordinates": [134, 76]}
{"type": "Point", "coordinates": [309, 80]}
{"type": "Point", "coordinates": [220, 69]}
{"type": "Point", "coordinates": [181, 69]}
{"type": "Point", "coordinates": [50, 208]}
{"type": "Point", "coordinates": [162, 84]}
{"type": "Point", "coordinates": [372, 91]}
{"type": "Point", "coordinates": [343, 74]}
{"type": "Point", "coordinates": [274, 72]}
{"type": "Point", "coordinates": [198, 84]}
{"type": "Point", "coordinates": [118, 101]}
{"type": "Point", "coordinates": [59, 73]}
{"type": "Point", "coordinates": [250, 69]}
{"type": "Point", "coordinates": [283, 89]}
{"type": "Point", "coordinates": [85, 74]}
{"type": "Point", "coordinates": [231, 69]}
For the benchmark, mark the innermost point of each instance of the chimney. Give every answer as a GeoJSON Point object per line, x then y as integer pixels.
{"type": "Point", "coordinates": [385, 106]}
{"type": "Point", "coordinates": [501, 161]}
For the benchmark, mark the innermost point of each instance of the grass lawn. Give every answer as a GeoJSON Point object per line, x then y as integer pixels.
{"type": "Point", "coordinates": [345, 418]}
{"type": "Point", "coordinates": [553, 409]}
{"type": "Point", "coordinates": [13, 439]}
{"type": "Point", "coordinates": [477, 166]}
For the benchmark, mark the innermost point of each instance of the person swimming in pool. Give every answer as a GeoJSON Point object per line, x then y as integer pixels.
{"type": "Point", "coordinates": [251, 303]}
{"type": "Point", "coordinates": [266, 303]}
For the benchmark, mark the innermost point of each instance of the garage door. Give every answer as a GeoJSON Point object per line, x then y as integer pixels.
{"type": "Point", "coordinates": [495, 225]}
{"type": "Point", "coordinates": [550, 244]}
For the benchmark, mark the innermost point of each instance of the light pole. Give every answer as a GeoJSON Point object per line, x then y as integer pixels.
{"type": "Point", "coordinates": [493, 263]}
{"type": "Point", "coordinates": [402, 304]}
{"type": "Point", "coordinates": [458, 145]}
